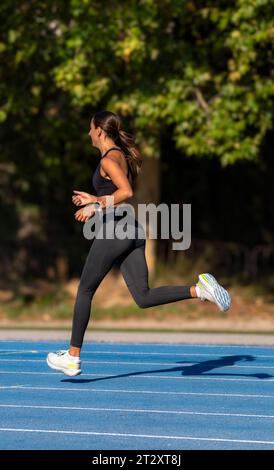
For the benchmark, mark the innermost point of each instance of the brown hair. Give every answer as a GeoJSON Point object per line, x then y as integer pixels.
{"type": "Point", "coordinates": [111, 123]}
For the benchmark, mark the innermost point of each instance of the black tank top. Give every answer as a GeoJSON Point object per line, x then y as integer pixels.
{"type": "Point", "coordinates": [102, 185]}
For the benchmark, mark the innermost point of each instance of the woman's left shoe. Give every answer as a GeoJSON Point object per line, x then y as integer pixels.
{"type": "Point", "coordinates": [208, 288]}
{"type": "Point", "coordinates": [62, 361]}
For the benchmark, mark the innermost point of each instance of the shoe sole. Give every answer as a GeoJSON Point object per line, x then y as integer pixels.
{"type": "Point", "coordinates": [71, 373]}
{"type": "Point", "coordinates": [220, 295]}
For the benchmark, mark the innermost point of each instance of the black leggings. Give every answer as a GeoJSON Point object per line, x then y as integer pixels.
{"type": "Point", "coordinates": [129, 255]}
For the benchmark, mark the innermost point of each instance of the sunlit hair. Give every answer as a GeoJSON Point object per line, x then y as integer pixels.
{"type": "Point", "coordinates": [112, 125]}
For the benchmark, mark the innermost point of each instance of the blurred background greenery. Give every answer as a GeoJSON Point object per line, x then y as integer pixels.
{"type": "Point", "coordinates": [194, 81]}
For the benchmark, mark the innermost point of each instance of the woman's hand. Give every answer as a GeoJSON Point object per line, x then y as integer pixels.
{"type": "Point", "coordinates": [80, 198]}
{"type": "Point", "coordinates": [84, 214]}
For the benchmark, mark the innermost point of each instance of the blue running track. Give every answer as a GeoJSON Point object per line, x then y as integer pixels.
{"type": "Point", "coordinates": [138, 396]}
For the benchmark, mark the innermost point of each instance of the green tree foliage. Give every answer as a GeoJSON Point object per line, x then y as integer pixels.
{"type": "Point", "coordinates": [201, 68]}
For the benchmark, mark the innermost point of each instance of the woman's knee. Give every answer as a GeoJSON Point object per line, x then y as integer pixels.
{"type": "Point", "coordinates": [143, 304]}
{"type": "Point", "coordinates": [141, 299]}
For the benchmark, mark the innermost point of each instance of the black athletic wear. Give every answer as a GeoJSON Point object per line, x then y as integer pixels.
{"type": "Point", "coordinates": [102, 185]}
{"type": "Point", "coordinates": [129, 255]}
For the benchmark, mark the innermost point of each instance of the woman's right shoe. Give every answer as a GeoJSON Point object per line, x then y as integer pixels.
{"type": "Point", "coordinates": [62, 361]}
{"type": "Point", "coordinates": [208, 288]}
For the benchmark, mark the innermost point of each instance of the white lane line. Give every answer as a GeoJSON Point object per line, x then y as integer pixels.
{"type": "Point", "coordinates": [130, 410]}
{"type": "Point", "coordinates": [142, 353]}
{"type": "Point", "coordinates": [115, 362]}
{"type": "Point", "coordinates": [146, 345]}
{"type": "Point", "coordinates": [147, 436]}
{"type": "Point", "coordinates": [149, 392]}
{"type": "Point", "coordinates": [3, 387]}
{"type": "Point", "coordinates": [18, 351]}
{"type": "Point", "coordinates": [146, 376]}
{"type": "Point", "coordinates": [136, 353]}
{"type": "Point", "coordinates": [181, 364]}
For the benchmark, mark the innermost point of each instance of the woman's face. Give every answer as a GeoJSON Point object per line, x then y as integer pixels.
{"type": "Point", "coordinates": [93, 133]}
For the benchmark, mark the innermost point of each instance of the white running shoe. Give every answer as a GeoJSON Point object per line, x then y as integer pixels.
{"type": "Point", "coordinates": [208, 288]}
{"type": "Point", "coordinates": [61, 360]}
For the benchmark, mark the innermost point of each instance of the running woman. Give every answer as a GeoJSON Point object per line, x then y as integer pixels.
{"type": "Point", "coordinates": [114, 176]}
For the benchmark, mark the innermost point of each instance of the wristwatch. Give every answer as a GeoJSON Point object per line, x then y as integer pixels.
{"type": "Point", "coordinates": [97, 205]}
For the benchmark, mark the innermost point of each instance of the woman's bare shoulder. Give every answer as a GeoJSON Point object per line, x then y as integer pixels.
{"type": "Point", "coordinates": [118, 156]}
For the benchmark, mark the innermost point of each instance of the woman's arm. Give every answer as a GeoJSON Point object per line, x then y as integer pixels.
{"type": "Point", "coordinates": [115, 172]}
{"type": "Point", "coordinates": [80, 198]}
{"type": "Point", "coordinates": [84, 214]}
{"type": "Point", "coordinates": [124, 191]}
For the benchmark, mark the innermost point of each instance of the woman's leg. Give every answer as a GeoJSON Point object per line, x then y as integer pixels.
{"type": "Point", "coordinates": [101, 257]}
{"type": "Point", "coordinates": [134, 269]}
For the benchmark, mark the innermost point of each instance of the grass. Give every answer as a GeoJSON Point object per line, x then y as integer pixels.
{"type": "Point", "coordinates": [59, 307]}
{"type": "Point", "coordinates": [251, 300]}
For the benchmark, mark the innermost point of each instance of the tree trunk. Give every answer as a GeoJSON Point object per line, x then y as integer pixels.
{"type": "Point", "coordinates": [148, 191]}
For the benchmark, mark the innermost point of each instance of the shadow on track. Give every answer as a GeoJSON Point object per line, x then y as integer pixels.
{"type": "Point", "coordinates": [199, 368]}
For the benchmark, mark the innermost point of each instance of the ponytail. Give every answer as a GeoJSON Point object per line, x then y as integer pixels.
{"type": "Point", "coordinates": [127, 144]}
{"type": "Point", "coordinates": [111, 123]}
